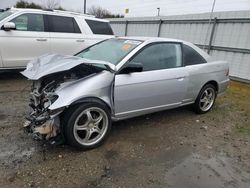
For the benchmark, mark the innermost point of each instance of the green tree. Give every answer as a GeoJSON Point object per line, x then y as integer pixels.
{"type": "Point", "coordinates": [49, 4]}
{"type": "Point", "coordinates": [60, 8]}
{"type": "Point", "coordinates": [25, 4]}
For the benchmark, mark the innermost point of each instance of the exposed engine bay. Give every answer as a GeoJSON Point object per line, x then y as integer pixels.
{"type": "Point", "coordinates": [43, 123]}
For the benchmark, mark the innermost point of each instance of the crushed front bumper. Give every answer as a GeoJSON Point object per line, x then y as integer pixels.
{"type": "Point", "coordinates": [44, 128]}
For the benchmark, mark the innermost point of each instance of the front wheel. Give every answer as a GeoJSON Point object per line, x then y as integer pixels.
{"type": "Point", "coordinates": [88, 126]}
{"type": "Point", "coordinates": [205, 99]}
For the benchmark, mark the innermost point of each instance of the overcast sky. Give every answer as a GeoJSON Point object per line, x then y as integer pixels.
{"type": "Point", "coordinates": [149, 7]}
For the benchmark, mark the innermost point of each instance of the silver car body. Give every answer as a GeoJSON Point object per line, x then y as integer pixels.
{"type": "Point", "coordinates": [134, 94]}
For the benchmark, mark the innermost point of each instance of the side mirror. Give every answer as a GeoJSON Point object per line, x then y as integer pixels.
{"type": "Point", "coordinates": [9, 26]}
{"type": "Point", "coordinates": [132, 67]}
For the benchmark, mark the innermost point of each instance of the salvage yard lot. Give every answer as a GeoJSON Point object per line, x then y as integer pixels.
{"type": "Point", "coordinates": [174, 148]}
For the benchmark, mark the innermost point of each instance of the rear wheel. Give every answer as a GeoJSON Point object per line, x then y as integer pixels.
{"type": "Point", "coordinates": [88, 126]}
{"type": "Point", "coordinates": [205, 99]}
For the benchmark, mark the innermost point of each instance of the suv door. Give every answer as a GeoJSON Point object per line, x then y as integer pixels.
{"type": "Point", "coordinates": [161, 84]}
{"type": "Point", "coordinates": [66, 37]}
{"type": "Point", "coordinates": [29, 40]}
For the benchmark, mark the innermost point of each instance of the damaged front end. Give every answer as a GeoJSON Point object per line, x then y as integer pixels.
{"type": "Point", "coordinates": [41, 122]}
{"type": "Point", "coordinates": [51, 73]}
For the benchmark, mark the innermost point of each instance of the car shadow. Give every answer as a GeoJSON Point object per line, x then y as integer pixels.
{"type": "Point", "coordinates": [11, 75]}
{"type": "Point", "coordinates": [153, 117]}
{"type": "Point", "coordinates": [120, 127]}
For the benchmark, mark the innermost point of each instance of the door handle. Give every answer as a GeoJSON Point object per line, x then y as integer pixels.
{"type": "Point", "coordinates": [180, 78]}
{"type": "Point", "coordinates": [80, 40]}
{"type": "Point", "coordinates": [41, 40]}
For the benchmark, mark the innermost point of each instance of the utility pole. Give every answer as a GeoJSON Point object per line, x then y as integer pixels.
{"type": "Point", "coordinates": [158, 14]}
{"type": "Point", "coordinates": [85, 6]}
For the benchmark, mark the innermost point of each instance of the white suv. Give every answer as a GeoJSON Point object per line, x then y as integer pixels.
{"type": "Point", "coordinates": [27, 33]}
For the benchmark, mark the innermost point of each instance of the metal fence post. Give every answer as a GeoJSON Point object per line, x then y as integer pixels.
{"type": "Point", "coordinates": [126, 28]}
{"type": "Point", "coordinates": [159, 28]}
{"type": "Point", "coordinates": [212, 35]}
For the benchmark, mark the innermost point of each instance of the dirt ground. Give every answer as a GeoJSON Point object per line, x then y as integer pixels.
{"type": "Point", "coordinates": [174, 148]}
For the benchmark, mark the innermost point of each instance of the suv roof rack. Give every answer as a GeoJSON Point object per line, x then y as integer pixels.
{"type": "Point", "coordinates": [3, 10]}
{"type": "Point", "coordinates": [47, 9]}
{"type": "Point", "coordinates": [74, 13]}
{"type": "Point", "coordinates": [57, 11]}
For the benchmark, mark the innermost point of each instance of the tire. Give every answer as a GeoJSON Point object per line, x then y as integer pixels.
{"type": "Point", "coordinates": [87, 125]}
{"type": "Point", "coordinates": [207, 96]}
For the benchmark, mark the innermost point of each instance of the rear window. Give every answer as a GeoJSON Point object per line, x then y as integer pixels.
{"type": "Point", "coordinates": [101, 28]}
{"type": "Point", "coordinates": [191, 57]}
{"type": "Point", "coordinates": [63, 24]}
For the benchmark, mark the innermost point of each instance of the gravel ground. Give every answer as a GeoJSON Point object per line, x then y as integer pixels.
{"type": "Point", "coordinates": [174, 148]}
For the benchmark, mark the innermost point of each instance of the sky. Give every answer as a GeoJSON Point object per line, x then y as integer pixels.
{"type": "Point", "coordinates": [138, 8]}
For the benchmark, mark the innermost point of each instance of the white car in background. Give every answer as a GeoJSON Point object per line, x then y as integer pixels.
{"type": "Point", "coordinates": [28, 33]}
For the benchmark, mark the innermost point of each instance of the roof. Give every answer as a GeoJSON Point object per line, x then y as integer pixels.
{"type": "Point", "coordinates": [160, 39]}
{"type": "Point", "coordinates": [59, 12]}
{"type": "Point", "coordinates": [151, 39]}
{"type": "Point", "coordinates": [206, 15]}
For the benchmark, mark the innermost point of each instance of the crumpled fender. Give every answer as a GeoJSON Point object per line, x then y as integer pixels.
{"type": "Point", "coordinates": [98, 85]}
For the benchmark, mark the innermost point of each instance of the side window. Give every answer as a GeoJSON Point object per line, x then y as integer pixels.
{"type": "Point", "coordinates": [29, 22]}
{"type": "Point", "coordinates": [191, 57]}
{"type": "Point", "coordinates": [159, 56]}
{"type": "Point", "coordinates": [97, 27]}
{"type": "Point", "coordinates": [63, 24]}
{"type": "Point", "coordinates": [21, 22]}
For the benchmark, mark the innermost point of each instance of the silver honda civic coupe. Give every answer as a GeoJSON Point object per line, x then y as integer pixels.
{"type": "Point", "coordinates": [76, 98]}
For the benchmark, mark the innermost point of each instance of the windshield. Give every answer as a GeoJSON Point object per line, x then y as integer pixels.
{"type": "Point", "coordinates": [112, 50]}
{"type": "Point", "coordinates": [5, 14]}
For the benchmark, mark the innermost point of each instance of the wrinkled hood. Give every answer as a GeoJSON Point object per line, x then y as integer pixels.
{"type": "Point", "coordinates": [52, 63]}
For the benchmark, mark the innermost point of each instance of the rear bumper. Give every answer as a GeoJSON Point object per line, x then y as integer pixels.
{"type": "Point", "coordinates": [223, 86]}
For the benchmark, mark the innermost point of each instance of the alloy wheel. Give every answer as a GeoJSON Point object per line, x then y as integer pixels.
{"type": "Point", "coordinates": [207, 99]}
{"type": "Point", "coordinates": [90, 126]}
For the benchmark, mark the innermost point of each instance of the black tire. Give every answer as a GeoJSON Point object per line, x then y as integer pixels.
{"type": "Point", "coordinates": [197, 107]}
{"type": "Point", "coordinates": [70, 118]}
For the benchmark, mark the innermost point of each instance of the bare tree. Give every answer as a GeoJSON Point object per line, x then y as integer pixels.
{"type": "Point", "coordinates": [100, 12]}
{"type": "Point", "coordinates": [51, 4]}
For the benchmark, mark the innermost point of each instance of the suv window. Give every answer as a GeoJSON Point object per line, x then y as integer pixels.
{"type": "Point", "coordinates": [102, 28]}
{"type": "Point", "coordinates": [63, 24]}
{"type": "Point", "coordinates": [159, 56]}
{"type": "Point", "coordinates": [5, 14]}
{"type": "Point", "coordinates": [191, 57]}
{"type": "Point", "coordinates": [29, 22]}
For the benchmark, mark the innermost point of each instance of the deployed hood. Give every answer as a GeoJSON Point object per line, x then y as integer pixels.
{"type": "Point", "coordinates": [52, 63]}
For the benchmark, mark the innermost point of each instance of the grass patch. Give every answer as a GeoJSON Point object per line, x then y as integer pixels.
{"type": "Point", "coordinates": [244, 129]}
{"type": "Point", "coordinates": [238, 95]}
{"type": "Point", "coordinates": [236, 104]}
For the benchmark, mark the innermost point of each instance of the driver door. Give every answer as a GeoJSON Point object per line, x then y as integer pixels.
{"type": "Point", "coordinates": [161, 85]}
{"type": "Point", "coordinates": [26, 42]}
